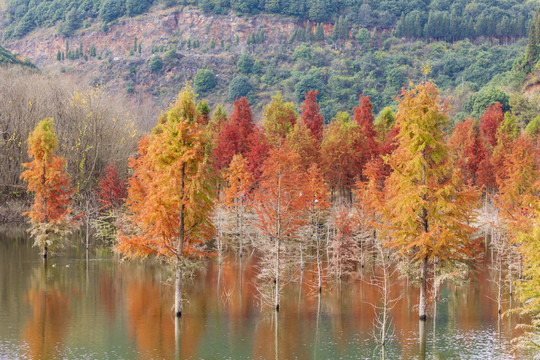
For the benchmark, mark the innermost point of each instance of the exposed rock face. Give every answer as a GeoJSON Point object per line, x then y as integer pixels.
{"type": "Point", "coordinates": [162, 29]}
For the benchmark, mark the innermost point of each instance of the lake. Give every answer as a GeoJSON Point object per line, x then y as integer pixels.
{"type": "Point", "coordinates": [105, 308]}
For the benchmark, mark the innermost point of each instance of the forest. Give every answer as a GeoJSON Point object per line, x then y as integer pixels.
{"type": "Point", "coordinates": [403, 191]}
{"type": "Point", "coordinates": [440, 19]}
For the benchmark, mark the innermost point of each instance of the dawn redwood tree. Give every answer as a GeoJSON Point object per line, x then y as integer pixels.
{"type": "Point", "coordinates": [339, 155]}
{"type": "Point", "coordinates": [471, 154]}
{"type": "Point", "coordinates": [47, 178]}
{"type": "Point", "coordinates": [111, 190]}
{"type": "Point", "coordinates": [236, 193]}
{"type": "Point", "coordinates": [280, 205]}
{"type": "Point", "coordinates": [235, 135]}
{"type": "Point", "coordinates": [426, 209]}
{"type": "Point", "coordinates": [170, 194]}
{"type": "Point", "coordinates": [490, 121]}
{"type": "Point", "coordinates": [318, 203]}
{"type": "Point", "coordinates": [368, 146]}
{"type": "Point", "coordinates": [279, 119]}
{"type": "Point", "coordinates": [311, 115]}
{"type": "Point", "coordinates": [507, 133]}
{"type": "Point", "coordinates": [300, 140]}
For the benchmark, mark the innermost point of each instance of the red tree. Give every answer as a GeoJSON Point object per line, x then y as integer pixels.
{"type": "Point", "coordinates": [368, 146]}
{"type": "Point", "coordinates": [471, 153]}
{"type": "Point", "coordinates": [111, 190]}
{"type": "Point", "coordinates": [311, 115]}
{"type": "Point", "coordinates": [490, 121]}
{"type": "Point", "coordinates": [234, 136]}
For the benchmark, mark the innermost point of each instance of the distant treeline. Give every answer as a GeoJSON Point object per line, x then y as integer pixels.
{"type": "Point", "coordinates": [439, 19]}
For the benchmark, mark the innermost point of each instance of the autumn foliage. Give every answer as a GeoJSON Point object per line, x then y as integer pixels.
{"type": "Point", "coordinates": [48, 180]}
{"type": "Point", "coordinates": [170, 194]}
{"type": "Point", "coordinates": [111, 190]}
{"type": "Point", "coordinates": [311, 115]}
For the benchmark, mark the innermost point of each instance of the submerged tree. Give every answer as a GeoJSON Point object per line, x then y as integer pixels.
{"type": "Point", "coordinates": [236, 194]}
{"type": "Point", "coordinates": [170, 196]}
{"type": "Point", "coordinates": [48, 180]}
{"type": "Point", "coordinates": [426, 207]}
{"type": "Point", "coordinates": [280, 205]}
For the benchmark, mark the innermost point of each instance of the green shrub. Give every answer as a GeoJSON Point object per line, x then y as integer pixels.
{"type": "Point", "coordinates": [204, 81]}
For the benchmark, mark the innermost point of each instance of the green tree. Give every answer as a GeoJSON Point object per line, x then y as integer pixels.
{"type": "Point", "coordinates": [319, 32]}
{"type": "Point", "coordinates": [240, 86]}
{"type": "Point", "coordinates": [245, 64]}
{"type": "Point", "coordinates": [111, 10]}
{"type": "Point", "coordinates": [204, 81]}
{"type": "Point", "coordinates": [156, 64]}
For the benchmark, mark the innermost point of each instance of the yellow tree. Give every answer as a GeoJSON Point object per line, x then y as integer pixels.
{"type": "Point", "coordinates": [519, 206]}
{"type": "Point", "coordinates": [48, 180]}
{"type": "Point", "coordinates": [170, 194]}
{"type": "Point", "coordinates": [427, 208]}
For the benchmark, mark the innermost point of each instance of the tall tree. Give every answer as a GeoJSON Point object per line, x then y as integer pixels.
{"type": "Point", "coordinates": [111, 190]}
{"type": "Point", "coordinates": [279, 119]}
{"type": "Point", "coordinates": [368, 147]}
{"type": "Point", "coordinates": [470, 151]}
{"type": "Point", "coordinates": [280, 204]}
{"type": "Point", "coordinates": [170, 196]}
{"type": "Point", "coordinates": [312, 116]}
{"type": "Point", "coordinates": [236, 194]}
{"type": "Point", "coordinates": [427, 209]}
{"type": "Point", "coordinates": [339, 155]}
{"type": "Point", "coordinates": [235, 135]}
{"type": "Point", "coordinates": [48, 180]}
{"type": "Point", "coordinates": [490, 121]}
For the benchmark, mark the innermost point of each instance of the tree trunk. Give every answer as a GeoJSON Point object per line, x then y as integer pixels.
{"type": "Point", "coordinates": [179, 250]}
{"type": "Point", "coordinates": [178, 290]}
{"type": "Point", "coordinates": [423, 291]}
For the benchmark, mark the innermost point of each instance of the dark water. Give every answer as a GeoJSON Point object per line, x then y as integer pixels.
{"type": "Point", "coordinates": [107, 309]}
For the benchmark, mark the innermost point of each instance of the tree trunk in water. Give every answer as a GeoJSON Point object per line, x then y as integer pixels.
{"type": "Point", "coordinates": [423, 291]}
{"type": "Point", "coordinates": [44, 254]}
{"type": "Point", "coordinates": [178, 290]}
{"type": "Point", "coordinates": [179, 250]}
{"type": "Point", "coordinates": [277, 278]}
{"type": "Point", "coordinates": [422, 335]}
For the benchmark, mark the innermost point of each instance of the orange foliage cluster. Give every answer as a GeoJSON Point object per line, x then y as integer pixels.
{"type": "Point", "coordinates": [170, 193]}
{"type": "Point", "coordinates": [46, 176]}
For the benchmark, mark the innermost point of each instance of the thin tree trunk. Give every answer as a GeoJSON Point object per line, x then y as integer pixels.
{"type": "Point", "coordinates": [179, 250]}
{"type": "Point", "coordinates": [278, 233]}
{"type": "Point", "coordinates": [178, 290]}
{"type": "Point", "coordinates": [423, 290]}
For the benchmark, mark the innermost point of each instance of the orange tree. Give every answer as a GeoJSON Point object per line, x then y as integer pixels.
{"type": "Point", "coordinates": [170, 196]}
{"type": "Point", "coordinates": [48, 180]}
{"type": "Point", "coordinates": [236, 193]}
{"type": "Point", "coordinates": [280, 205]}
{"type": "Point", "coordinates": [427, 209]}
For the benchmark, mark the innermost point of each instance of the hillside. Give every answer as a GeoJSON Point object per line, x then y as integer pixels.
{"type": "Point", "coordinates": [279, 54]}
{"type": "Point", "coordinates": [148, 57]}
{"type": "Point", "coordinates": [7, 58]}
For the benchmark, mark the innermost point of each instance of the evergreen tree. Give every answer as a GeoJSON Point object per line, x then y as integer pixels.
{"type": "Point", "coordinates": [319, 32]}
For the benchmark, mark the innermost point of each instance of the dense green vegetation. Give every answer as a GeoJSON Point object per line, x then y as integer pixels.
{"type": "Point", "coordinates": [438, 19]}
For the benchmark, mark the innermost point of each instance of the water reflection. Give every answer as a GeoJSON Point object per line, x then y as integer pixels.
{"type": "Point", "coordinates": [45, 330]}
{"type": "Point", "coordinates": [104, 308]}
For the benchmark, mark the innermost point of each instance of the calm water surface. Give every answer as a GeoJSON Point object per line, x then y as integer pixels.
{"type": "Point", "coordinates": [107, 309]}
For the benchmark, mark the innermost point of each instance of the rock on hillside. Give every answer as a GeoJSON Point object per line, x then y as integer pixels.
{"type": "Point", "coordinates": [119, 68]}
